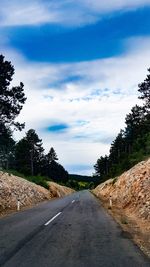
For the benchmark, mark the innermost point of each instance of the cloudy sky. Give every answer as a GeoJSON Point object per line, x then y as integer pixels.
{"type": "Point", "coordinates": [81, 62]}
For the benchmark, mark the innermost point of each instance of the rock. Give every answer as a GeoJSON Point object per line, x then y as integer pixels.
{"type": "Point", "coordinates": [59, 190]}
{"type": "Point", "coordinates": [131, 190]}
{"type": "Point", "coordinates": [13, 188]}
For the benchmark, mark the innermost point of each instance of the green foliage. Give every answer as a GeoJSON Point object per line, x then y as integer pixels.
{"type": "Point", "coordinates": [51, 156]}
{"type": "Point", "coordinates": [39, 180]}
{"type": "Point", "coordinates": [80, 185]}
{"type": "Point", "coordinates": [11, 98]}
{"type": "Point", "coordinates": [29, 154]}
{"type": "Point", "coordinates": [133, 143]}
{"type": "Point", "coordinates": [11, 103]}
{"type": "Point", "coordinates": [7, 146]}
{"type": "Point", "coordinates": [30, 159]}
{"type": "Point", "coordinates": [14, 172]}
{"type": "Point", "coordinates": [55, 171]}
{"type": "Point", "coordinates": [73, 184]}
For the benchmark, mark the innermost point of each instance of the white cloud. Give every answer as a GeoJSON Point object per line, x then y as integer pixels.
{"type": "Point", "coordinates": [67, 13]}
{"type": "Point", "coordinates": [25, 13]}
{"type": "Point", "coordinates": [115, 5]}
{"type": "Point", "coordinates": [101, 98]}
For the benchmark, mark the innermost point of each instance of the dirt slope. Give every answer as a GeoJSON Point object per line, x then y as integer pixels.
{"type": "Point", "coordinates": [130, 196]}
{"type": "Point", "coordinates": [13, 188]}
{"type": "Point", "coordinates": [59, 190]}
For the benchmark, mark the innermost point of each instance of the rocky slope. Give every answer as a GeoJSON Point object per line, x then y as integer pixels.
{"type": "Point", "coordinates": [57, 190]}
{"type": "Point", "coordinates": [14, 188]}
{"type": "Point", "coordinates": [130, 197]}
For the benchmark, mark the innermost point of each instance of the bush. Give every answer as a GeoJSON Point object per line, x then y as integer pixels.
{"type": "Point", "coordinates": [39, 180]}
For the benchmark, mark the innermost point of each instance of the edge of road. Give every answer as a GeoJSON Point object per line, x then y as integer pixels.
{"type": "Point", "coordinates": [127, 226]}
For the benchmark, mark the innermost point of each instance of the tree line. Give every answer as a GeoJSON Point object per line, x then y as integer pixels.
{"type": "Point", "coordinates": [27, 155]}
{"type": "Point", "coordinates": [132, 144]}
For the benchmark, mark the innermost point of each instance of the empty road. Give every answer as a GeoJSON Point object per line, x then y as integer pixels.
{"type": "Point", "coordinates": [74, 231]}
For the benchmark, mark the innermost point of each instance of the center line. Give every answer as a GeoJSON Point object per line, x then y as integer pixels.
{"type": "Point", "coordinates": [73, 201]}
{"type": "Point", "coordinates": [52, 219]}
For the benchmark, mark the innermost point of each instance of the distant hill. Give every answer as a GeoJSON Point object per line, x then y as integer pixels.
{"type": "Point", "coordinates": [83, 178]}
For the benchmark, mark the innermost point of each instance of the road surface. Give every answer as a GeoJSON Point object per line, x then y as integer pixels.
{"type": "Point", "coordinates": [74, 231]}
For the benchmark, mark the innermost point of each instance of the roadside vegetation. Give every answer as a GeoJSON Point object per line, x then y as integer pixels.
{"type": "Point", "coordinates": [132, 144]}
{"type": "Point", "coordinates": [28, 158]}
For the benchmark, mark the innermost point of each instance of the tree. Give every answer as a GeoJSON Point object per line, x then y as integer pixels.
{"type": "Point", "coordinates": [117, 148]}
{"type": "Point", "coordinates": [53, 169]}
{"type": "Point", "coordinates": [102, 167]}
{"type": "Point", "coordinates": [132, 144]}
{"type": "Point", "coordinates": [57, 172]}
{"type": "Point", "coordinates": [36, 150]}
{"type": "Point", "coordinates": [51, 156]}
{"type": "Point", "coordinates": [135, 122]}
{"type": "Point", "coordinates": [7, 146]}
{"type": "Point", "coordinates": [22, 157]}
{"type": "Point", "coordinates": [11, 98]}
{"type": "Point", "coordinates": [144, 89]}
{"type": "Point", "coordinates": [29, 153]}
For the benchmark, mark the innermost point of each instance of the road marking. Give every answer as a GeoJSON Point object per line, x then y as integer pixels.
{"type": "Point", "coordinates": [73, 201]}
{"type": "Point", "coordinates": [52, 219]}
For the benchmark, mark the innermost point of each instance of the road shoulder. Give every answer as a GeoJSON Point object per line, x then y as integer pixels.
{"type": "Point", "coordinates": [137, 231]}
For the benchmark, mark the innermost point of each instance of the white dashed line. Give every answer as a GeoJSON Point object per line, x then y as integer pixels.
{"type": "Point", "coordinates": [73, 201]}
{"type": "Point", "coordinates": [52, 219]}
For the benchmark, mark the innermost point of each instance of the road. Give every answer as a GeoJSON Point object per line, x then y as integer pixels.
{"type": "Point", "coordinates": [74, 231]}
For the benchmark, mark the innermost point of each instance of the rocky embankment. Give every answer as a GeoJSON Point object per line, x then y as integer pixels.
{"type": "Point", "coordinates": [14, 188]}
{"type": "Point", "coordinates": [57, 190]}
{"type": "Point", "coordinates": [129, 195]}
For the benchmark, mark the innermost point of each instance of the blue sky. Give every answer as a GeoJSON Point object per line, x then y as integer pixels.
{"type": "Point", "coordinates": [81, 62]}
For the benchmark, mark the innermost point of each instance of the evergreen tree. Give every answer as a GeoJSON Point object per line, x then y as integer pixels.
{"type": "Point", "coordinates": [144, 89]}
{"type": "Point", "coordinates": [7, 146]}
{"type": "Point", "coordinates": [57, 172]}
{"type": "Point", "coordinates": [135, 122]}
{"type": "Point", "coordinates": [11, 98]}
{"type": "Point", "coordinates": [22, 157]}
{"type": "Point", "coordinates": [36, 150]}
{"type": "Point", "coordinates": [51, 156]}
{"type": "Point", "coordinates": [11, 103]}
{"type": "Point", "coordinates": [29, 154]}
{"type": "Point", "coordinates": [133, 144]}
{"type": "Point", "coordinates": [52, 169]}
{"type": "Point", "coordinates": [102, 167]}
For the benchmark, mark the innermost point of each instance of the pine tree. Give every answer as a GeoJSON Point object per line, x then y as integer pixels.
{"type": "Point", "coordinates": [144, 89]}
{"type": "Point", "coordinates": [11, 98]}
{"type": "Point", "coordinates": [29, 153]}
{"type": "Point", "coordinates": [133, 144]}
{"type": "Point", "coordinates": [7, 146]}
{"type": "Point", "coordinates": [51, 156]}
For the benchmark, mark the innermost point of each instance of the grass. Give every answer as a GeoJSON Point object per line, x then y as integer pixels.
{"type": "Point", "coordinates": [39, 180]}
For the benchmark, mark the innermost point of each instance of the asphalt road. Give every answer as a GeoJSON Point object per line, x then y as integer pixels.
{"type": "Point", "coordinates": [74, 231]}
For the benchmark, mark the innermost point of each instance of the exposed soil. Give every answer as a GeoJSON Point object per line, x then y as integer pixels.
{"type": "Point", "coordinates": [14, 189]}
{"type": "Point", "coordinates": [138, 231]}
{"type": "Point", "coordinates": [127, 199]}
